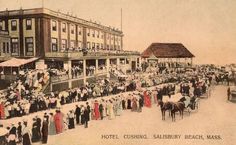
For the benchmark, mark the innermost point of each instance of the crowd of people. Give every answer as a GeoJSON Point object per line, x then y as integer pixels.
{"type": "Point", "coordinates": [76, 71]}
{"type": "Point", "coordinates": [98, 107]}
{"type": "Point", "coordinates": [22, 92]}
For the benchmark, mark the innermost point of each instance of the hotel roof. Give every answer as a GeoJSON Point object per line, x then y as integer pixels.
{"type": "Point", "coordinates": [57, 14]}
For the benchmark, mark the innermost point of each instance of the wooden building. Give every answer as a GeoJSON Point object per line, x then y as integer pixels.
{"type": "Point", "coordinates": [168, 55]}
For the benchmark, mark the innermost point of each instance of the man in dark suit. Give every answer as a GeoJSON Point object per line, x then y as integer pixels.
{"type": "Point", "coordinates": [77, 113]}
{"type": "Point", "coordinates": [228, 93]}
{"type": "Point", "coordinates": [88, 109]}
{"type": "Point", "coordinates": [86, 117]}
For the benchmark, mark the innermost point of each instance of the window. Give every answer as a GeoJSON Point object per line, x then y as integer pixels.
{"type": "Point", "coordinates": [8, 50]}
{"type": "Point", "coordinates": [98, 34]}
{"type": "Point", "coordinates": [3, 47]}
{"type": "Point", "coordinates": [72, 29]}
{"type": "Point", "coordinates": [79, 30]}
{"type": "Point", "coordinates": [93, 33]}
{"type": "Point", "coordinates": [107, 47]}
{"type": "Point", "coordinates": [29, 46]}
{"type": "Point", "coordinates": [101, 46]}
{"type": "Point", "coordinates": [54, 25]}
{"type": "Point", "coordinates": [88, 33]}
{"type": "Point", "coordinates": [13, 25]}
{"type": "Point", "coordinates": [88, 45]}
{"type": "Point", "coordinates": [102, 35]}
{"type": "Point", "coordinates": [127, 61]}
{"type": "Point", "coordinates": [54, 45]}
{"type": "Point", "coordinates": [93, 45]}
{"type": "Point", "coordinates": [28, 24]}
{"type": "Point", "coordinates": [72, 44]}
{"type": "Point", "coordinates": [64, 27]}
{"type": "Point", "coordinates": [14, 46]}
{"type": "Point", "coordinates": [1, 25]}
{"type": "Point", "coordinates": [64, 44]}
{"type": "Point", "coordinates": [80, 44]}
{"type": "Point", "coordinates": [97, 45]}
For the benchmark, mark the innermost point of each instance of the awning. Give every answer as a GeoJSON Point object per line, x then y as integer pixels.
{"type": "Point", "coordinates": [16, 62]}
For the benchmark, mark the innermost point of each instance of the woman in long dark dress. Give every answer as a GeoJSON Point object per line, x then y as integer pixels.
{"type": "Point", "coordinates": [123, 104]}
{"type": "Point", "coordinates": [19, 132]}
{"type": "Point", "coordinates": [26, 135]}
{"type": "Point", "coordinates": [35, 136]}
{"type": "Point", "coordinates": [45, 131]}
{"type": "Point", "coordinates": [129, 104]}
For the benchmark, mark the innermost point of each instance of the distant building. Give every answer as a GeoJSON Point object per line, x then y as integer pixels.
{"type": "Point", "coordinates": [168, 55]}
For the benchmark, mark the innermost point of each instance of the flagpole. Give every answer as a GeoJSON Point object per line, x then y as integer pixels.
{"type": "Point", "coordinates": [42, 3]}
{"type": "Point", "coordinates": [121, 19]}
{"type": "Point", "coordinates": [20, 4]}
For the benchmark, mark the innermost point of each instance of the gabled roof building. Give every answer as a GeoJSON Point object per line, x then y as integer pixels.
{"type": "Point", "coordinates": [168, 54]}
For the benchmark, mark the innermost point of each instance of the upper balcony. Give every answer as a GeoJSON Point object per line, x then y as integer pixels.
{"type": "Point", "coordinates": [79, 54]}
{"type": "Point", "coordinates": [64, 54]}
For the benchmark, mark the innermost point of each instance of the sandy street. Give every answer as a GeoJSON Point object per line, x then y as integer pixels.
{"type": "Point", "coordinates": [216, 116]}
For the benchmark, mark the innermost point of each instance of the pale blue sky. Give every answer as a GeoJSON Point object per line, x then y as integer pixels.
{"type": "Point", "coordinates": [206, 27]}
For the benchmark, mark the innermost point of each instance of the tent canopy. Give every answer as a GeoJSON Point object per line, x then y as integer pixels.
{"type": "Point", "coordinates": [16, 62]}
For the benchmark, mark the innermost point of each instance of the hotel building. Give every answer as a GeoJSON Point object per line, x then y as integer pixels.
{"type": "Point", "coordinates": [63, 41]}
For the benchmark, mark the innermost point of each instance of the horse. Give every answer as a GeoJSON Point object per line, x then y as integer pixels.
{"type": "Point", "coordinates": [164, 107]}
{"type": "Point", "coordinates": [178, 106]}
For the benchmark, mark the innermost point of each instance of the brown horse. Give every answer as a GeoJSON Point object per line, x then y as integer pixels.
{"type": "Point", "coordinates": [178, 106]}
{"type": "Point", "coordinates": [164, 107]}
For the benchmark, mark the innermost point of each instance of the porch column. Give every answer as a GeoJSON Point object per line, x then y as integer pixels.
{"type": "Point", "coordinates": [84, 70]}
{"type": "Point", "coordinates": [108, 67]}
{"type": "Point", "coordinates": [67, 66]}
{"type": "Point", "coordinates": [96, 66]}
{"type": "Point", "coordinates": [118, 62]}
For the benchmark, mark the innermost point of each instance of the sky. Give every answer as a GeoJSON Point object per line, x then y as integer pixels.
{"type": "Point", "coordinates": [206, 27]}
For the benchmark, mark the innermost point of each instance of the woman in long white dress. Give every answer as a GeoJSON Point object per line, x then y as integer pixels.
{"type": "Point", "coordinates": [119, 107]}
{"type": "Point", "coordinates": [111, 110]}
{"type": "Point", "coordinates": [104, 112]}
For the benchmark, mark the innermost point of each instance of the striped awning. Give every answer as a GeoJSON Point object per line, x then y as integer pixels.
{"type": "Point", "coordinates": [16, 62]}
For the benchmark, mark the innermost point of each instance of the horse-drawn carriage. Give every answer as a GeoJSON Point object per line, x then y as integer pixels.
{"type": "Point", "coordinates": [180, 103]}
